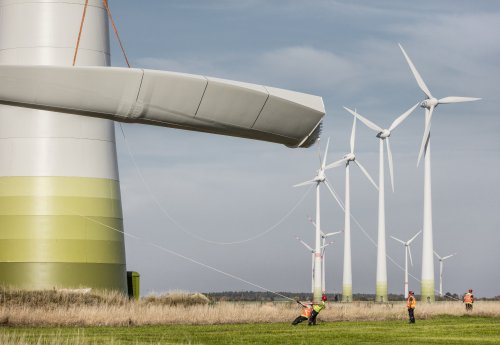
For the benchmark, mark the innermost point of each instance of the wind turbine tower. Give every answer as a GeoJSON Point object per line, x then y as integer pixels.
{"type": "Point", "coordinates": [346, 160]}
{"type": "Point", "coordinates": [441, 263]}
{"type": "Point", "coordinates": [324, 236]}
{"type": "Point", "coordinates": [429, 104]}
{"type": "Point", "coordinates": [407, 253]}
{"type": "Point", "coordinates": [383, 135]}
{"type": "Point", "coordinates": [318, 180]}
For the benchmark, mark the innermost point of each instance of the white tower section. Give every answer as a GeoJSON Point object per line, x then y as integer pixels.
{"type": "Point", "coordinates": [58, 172]}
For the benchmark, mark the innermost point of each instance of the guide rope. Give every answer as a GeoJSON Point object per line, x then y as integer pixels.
{"type": "Point", "coordinates": [80, 32]}
{"type": "Point", "coordinates": [190, 233]}
{"type": "Point", "coordinates": [172, 252]}
{"type": "Point", "coordinates": [105, 3]}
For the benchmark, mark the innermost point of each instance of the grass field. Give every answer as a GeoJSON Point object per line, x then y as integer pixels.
{"type": "Point", "coordinates": [438, 330]}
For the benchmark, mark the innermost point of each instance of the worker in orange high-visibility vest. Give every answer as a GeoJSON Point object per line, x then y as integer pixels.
{"type": "Point", "coordinates": [306, 312]}
{"type": "Point", "coordinates": [410, 304]}
{"type": "Point", "coordinates": [468, 300]}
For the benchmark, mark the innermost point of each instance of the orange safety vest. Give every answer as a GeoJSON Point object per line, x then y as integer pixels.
{"type": "Point", "coordinates": [468, 298]}
{"type": "Point", "coordinates": [306, 312]}
{"type": "Point", "coordinates": [412, 302]}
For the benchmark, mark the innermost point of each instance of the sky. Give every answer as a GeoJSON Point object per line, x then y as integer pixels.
{"type": "Point", "coordinates": [229, 203]}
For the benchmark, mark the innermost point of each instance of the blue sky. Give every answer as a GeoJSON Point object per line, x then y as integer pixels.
{"type": "Point", "coordinates": [228, 189]}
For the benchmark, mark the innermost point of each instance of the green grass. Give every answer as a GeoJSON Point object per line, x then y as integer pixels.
{"type": "Point", "coordinates": [440, 330]}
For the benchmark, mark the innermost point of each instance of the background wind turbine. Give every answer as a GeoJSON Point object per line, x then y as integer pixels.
{"type": "Point", "coordinates": [324, 236]}
{"type": "Point", "coordinates": [318, 179]}
{"type": "Point", "coordinates": [430, 102]}
{"type": "Point", "coordinates": [309, 248]}
{"type": "Point", "coordinates": [383, 135]}
{"type": "Point", "coordinates": [407, 253]}
{"type": "Point", "coordinates": [346, 160]}
{"type": "Point", "coordinates": [441, 259]}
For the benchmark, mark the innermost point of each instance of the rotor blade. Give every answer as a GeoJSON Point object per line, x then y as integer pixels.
{"type": "Point", "coordinates": [409, 254]}
{"type": "Point", "coordinates": [305, 244]}
{"type": "Point", "coordinates": [449, 256]}
{"type": "Point", "coordinates": [401, 118]}
{"type": "Point", "coordinates": [336, 164]}
{"type": "Point", "coordinates": [326, 245]}
{"type": "Point", "coordinates": [353, 134]}
{"type": "Point", "coordinates": [425, 138]}
{"type": "Point", "coordinates": [367, 122]}
{"type": "Point", "coordinates": [333, 233]}
{"type": "Point", "coordinates": [397, 239]}
{"type": "Point", "coordinates": [456, 99]}
{"type": "Point", "coordinates": [414, 237]}
{"type": "Point", "coordinates": [417, 76]}
{"type": "Point", "coordinates": [334, 195]}
{"type": "Point", "coordinates": [314, 224]}
{"type": "Point", "coordinates": [391, 167]}
{"type": "Point", "coordinates": [326, 153]}
{"type": "Point", "coordinates": [366, 173]}
{"type": "Point", "coordinates": [304, 183]}
{"type": "Point", "coordinates": [437, 256]}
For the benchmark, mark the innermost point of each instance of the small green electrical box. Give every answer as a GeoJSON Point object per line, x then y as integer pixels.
{"type": "Point", "coordinates": [133, 284]}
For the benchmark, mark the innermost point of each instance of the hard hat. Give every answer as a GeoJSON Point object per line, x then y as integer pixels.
{"type": "Point", "coordinates": [470, 290]}
{"type": "Point", "coordinates": [323, 298]}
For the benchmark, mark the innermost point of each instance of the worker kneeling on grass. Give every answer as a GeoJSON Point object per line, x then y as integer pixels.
{"type": "Point", "coordinates": [317, 307]}
{"type": "Point", "coordinates": [410, 304]}
{"type": "Point", "coordinates": [310, 311]}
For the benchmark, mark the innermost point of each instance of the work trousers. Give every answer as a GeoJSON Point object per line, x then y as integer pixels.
{"type": "Point", "coordinates": [312, 318]}
{"type": "Point", "coordinates": [468, 306]}
{"type": "Point", "coordinates": [411, 315]}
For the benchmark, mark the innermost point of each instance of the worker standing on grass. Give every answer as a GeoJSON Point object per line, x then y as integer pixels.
{"type": "Point", "coordinates": [468, 300]}
{"type": "Point", "coordinates": [410, 304]}
{"type": "Point", "coordinates": [306, 313]}
{"type": "Point", "coordinates": [317, 307]}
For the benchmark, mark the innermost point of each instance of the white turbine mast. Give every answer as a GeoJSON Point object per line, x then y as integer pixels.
{"type": "Point", "coordinates": [429, 104]}
{"type": "Point", "coordinates": [324, 236]}
{"type": "Point", "coordinates": [309, 248]}
{"type": "Point", "coordinates": [407, 253]}
{"type": "Point", "coordinates": [383, 135]}
{"type": "Point", "coordinates": [441, 259]}
{"type": "Point", "coordinates": [318, 179]}
{"type": "Point", "coordinates": [346, 160]}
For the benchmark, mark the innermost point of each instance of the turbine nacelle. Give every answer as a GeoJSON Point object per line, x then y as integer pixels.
{"type": "Point", "coordinates": [384, 134]}
{"type": "Point", "coordinates": [430, 102]}
{"type": "Point", "coordinates": [350, 157]}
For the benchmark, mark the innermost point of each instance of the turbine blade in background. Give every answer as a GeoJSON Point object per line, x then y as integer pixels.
{"type": "Point", "coordinates": [437, 256]}
{"type": "Point", "coordinates": [425, 138]}
{"type": "Point", "coordinates": [336, 164]}
{"type": "Point", "coordinates": [366, 173]}
{"type": "Point", "coordinates": [448, 256]}
{"type": "Point", "coordinates": [401, 118]}
{"type": "Point", "coordinates": [391, 166]}
{"type": "Point", "coordinates": [367, 122]}
{"type": "Point", "coordinates": [456, 99]}
{"type": "Point", "coordinates": [397, 239]}
{"type": "Point", "coordinates": [409, 254]}
{"type": "Point", "coordinates": [414, 237]}
{"type": "Point", "coordinates": [314, 225]}
{"type": "Point", "coordinates": [353, 134]}
{"type": "Point", "coordinates": [417, 76]}
{"type": "Point", "coordinates": [304, 183]}
{"type": "Point", "coordinates": [326, 153]}
{"type": "Point", "coordinates": [305, 244]}
{"type": "Point", "coordinates": [332, 233]}
{"type": "Point", "coordinates": [332, 191]}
